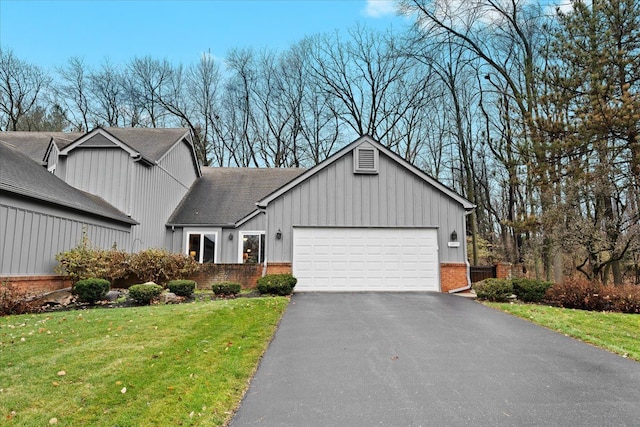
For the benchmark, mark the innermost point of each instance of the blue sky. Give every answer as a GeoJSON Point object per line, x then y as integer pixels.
{"type": "Point", "coordinates": [49, 32]}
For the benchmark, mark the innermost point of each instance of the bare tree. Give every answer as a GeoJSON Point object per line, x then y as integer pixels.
{"type": "Point", "coordinates": [106, 88]}
{"type": "Point", "coordinates": [21, 88]}
{"type": "Point", "coordinates": [73, 90]}
{"type": "Point", "coordinates": [144, 82]}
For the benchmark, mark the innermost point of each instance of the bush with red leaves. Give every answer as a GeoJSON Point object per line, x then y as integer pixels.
{"type": "Point", "coordinates": [585, 295]}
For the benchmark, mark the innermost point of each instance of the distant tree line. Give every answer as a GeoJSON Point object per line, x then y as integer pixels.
{"type": "Point", "coordinates": [531, 114]}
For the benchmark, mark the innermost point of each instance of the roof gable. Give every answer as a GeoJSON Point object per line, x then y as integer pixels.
{"type": "Point", "coordinates": [366, 141]}
{"type": "Point", "coordinates": [149, 145]}
{"type": "Point", "coordinates": [22, 176]}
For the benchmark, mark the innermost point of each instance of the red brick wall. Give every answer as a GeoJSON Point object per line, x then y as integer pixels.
{"type": "Point", "coordinates": [279, 268]}
{"type": "Point", "coordinates": [503, 270]}
{"type": "Point", "coordinates": [37, 285]}
{"type": "Point", "coordinates": [245, 274]}
{"type": "Point", "coordinates": [453, 276]}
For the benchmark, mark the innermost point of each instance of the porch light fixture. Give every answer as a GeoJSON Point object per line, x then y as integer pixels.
{"type": "Point", "coordinates": [230, 236]}
{"type": "Point", "coordinates": [278, 234]}
{"type": "Point", "coordinates": [454, 236]}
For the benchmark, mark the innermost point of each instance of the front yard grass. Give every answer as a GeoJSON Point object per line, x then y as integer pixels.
{"type": "Point", "coordinates": [185, 364]}
{"type": "Point", "coordinates": [616, 332]}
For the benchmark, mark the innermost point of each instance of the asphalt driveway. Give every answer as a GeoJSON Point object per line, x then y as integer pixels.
{"type": "Point", "coordinates": [429, 359]}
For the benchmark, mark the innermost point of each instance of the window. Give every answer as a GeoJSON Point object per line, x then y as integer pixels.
{"type": "Point", "coordinates": [202, 246]}
{"type": "Point", "coordinates": [252, 247]}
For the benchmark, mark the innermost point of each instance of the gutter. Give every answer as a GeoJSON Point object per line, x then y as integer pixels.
{"type": "Point", "coordinates": [266, 233]}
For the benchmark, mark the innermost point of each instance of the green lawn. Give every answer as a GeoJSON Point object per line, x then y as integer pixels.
{"type": "Point", "coordinates": [164, 365]}
{"type": "Point", "coordinates": [616, 332]}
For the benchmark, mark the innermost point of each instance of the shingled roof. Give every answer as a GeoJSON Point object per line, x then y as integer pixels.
{"type": "Point", "coordinates": [224, 196]}
{"type": "Point", "coordinates": [22, 176]}
{"type": "Point", "coordinates": [152, 143]}
{"type": "Point", "coordinates": [35, 144]}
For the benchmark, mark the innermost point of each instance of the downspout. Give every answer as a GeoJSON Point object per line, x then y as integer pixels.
{"type": "Point", "coordinates": [266, 233]}
{"type": "Point", "coordinates": [466, 260]}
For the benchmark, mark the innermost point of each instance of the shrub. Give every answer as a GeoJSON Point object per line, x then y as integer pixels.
{"type": "Point", "coordinates": [625, 299]}
{"type": "Point", "coordinates": [277, 284]}
{"type": "Point", "coordinates": [529, 290]}
{"type": "Point", "coordinates": [161, 266]}
{"type": "Point", "coordinates": [584, 295]}
{"type": "Point", "coordinates": [86, 262]}
{"type": "Point", "coordinates": [14, 301]}
{"type": "Point", "coordinates": [226, 288]}
{"type": "Point", "coordinates": [91, 290]}
{"type": "Point", "coordinates": [576, 293]}
{"type": "Point", "coordinates": [182, 288]}
{"type": "Point", "coordinates": [494, 289]}
{"type": "Point", "coordinates": [145, 292]}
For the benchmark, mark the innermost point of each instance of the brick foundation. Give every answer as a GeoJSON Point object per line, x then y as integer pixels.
{"type": "Point", "coordinates": [245, 274]}
{"type": "Point", "coordinates": [279, 268]}
{"type": "Point", "coordinates": [37, 285]}
{"type": "Point", "coordinates": [453, 276]}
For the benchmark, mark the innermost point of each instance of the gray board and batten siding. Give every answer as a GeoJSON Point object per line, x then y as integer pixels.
{"type": "Point", "coordinates": [41, 216]}
{"type": "Point", "coordinates": [146, 186]}
{"type": "Point", "coordinates": [395, 196]}
{"type": "Point", "coordinates": [34, 233]}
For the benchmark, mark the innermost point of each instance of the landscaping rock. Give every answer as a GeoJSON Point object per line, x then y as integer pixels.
{"type": "Point", "coordinates": [170, 298]}
{"type": "Point", "coordinates": [63, 297]}
{"type": "Point", "coordinates": [113, 295]}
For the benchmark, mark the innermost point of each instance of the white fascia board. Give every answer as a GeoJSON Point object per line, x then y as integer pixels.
{"type": "Point", "coordinates": [132, 153]}
{"type": "Point", "coordinates": [248, 218]}
{"type": "Point", "coordinates": [317, 168]}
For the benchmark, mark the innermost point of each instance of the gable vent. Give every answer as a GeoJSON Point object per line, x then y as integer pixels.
{"type": "Point", "coordinates": [365, 160]}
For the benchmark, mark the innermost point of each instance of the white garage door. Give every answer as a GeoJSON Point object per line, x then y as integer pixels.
{"type": "Point", "coordinates": [365, 259]}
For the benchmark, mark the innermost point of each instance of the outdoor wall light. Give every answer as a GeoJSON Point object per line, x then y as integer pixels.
{"type": "Point", "coordinates": [230, 236]}
{"type": "Point", "coordinates": [278, 234]}
{"type": "Point", "coordinates": [454, 236]}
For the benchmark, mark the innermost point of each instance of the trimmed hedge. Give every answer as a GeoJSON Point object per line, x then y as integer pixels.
{"type": "Point", "coordinates": [144, 293]}
{"type": "Point", "coordinates": [530, 290]}
{"type": "Point", "coordinates": [226, 289]}
{"type": "Point", "coordinates": [498, 290]}
{"type": "Point", "coordinates": [182, 288]}
{"type": "Point", "coordinates": [277, 284]}
{"type": "Point", "coordinates": [91, 290]}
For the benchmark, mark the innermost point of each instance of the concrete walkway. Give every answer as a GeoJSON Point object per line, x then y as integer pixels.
{"type": "Point", "coordinates": [428, 359]}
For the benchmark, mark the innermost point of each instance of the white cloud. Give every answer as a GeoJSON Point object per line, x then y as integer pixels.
{"type": "Point", "coordinates": [378, 8]}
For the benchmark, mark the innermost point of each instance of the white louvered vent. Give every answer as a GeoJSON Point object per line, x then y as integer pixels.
{"type": "Point", "coordinates": [365, 160]}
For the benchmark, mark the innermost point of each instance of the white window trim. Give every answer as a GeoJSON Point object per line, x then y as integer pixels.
{"type": "Point", "coordinates": [202, 232]}
{"type": "Point", "coordinates": [241, 235]}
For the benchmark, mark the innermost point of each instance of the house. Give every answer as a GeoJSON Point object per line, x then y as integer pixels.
{"type": "Point", "coordinates": [362, 220]}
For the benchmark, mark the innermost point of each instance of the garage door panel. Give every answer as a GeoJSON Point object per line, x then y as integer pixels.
{"type": "Point", "coordinates": [365, 259]}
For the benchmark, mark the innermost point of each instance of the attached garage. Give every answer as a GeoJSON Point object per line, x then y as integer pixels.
{"type": "Point", "coordinates": [365, 259]}
{"type": "Point", "coordinates": [367, 220]}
